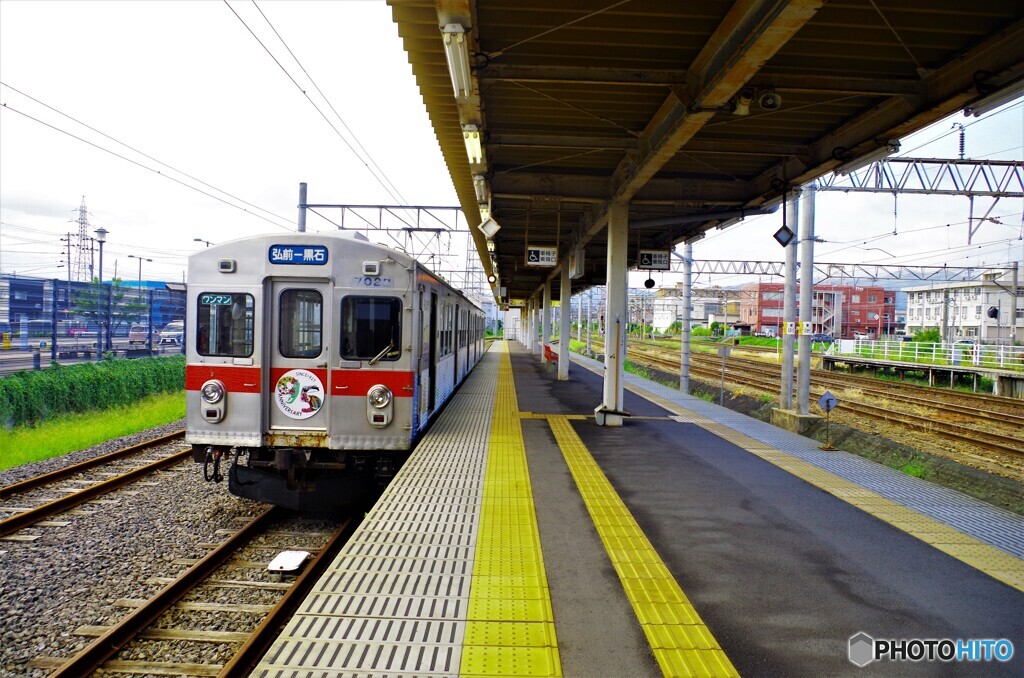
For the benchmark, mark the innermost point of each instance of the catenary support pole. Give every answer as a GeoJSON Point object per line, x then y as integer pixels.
{"type": "Point", "coordinates": [803, 382]}
{"type": "Point", "coordinates": [792, 212]}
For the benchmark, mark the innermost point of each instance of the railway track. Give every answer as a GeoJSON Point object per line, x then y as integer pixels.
{"type": "Point", "coordinates": [980, 402]}
{"type": "Point", "coordinates": [900, 410]}
{"type": "Point", "coordinates": [171, 632]}
{"type": "Point", "coordinates": [765, 378]}
{"type": "Point", "coordinates": [34, 501]}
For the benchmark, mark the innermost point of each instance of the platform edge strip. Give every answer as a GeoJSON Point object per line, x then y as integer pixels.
{"type": "Point", "coordinates": [681, 642]}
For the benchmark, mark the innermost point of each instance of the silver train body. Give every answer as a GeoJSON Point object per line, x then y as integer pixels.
{"type": "Point", "coordinates": [314, 362]}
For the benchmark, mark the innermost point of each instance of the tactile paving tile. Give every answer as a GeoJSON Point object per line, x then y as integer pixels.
{"type": "Point", "coordinates": [396, 599]}
{"type": "Point", "coordinates": [510, 629]}
{"type": "Point", "coordinates": [677, 635]}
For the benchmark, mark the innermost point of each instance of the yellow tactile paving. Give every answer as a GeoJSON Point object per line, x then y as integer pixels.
{"type": "Point", "coordinates": [510, 627]}
{"type": "Point", "coordinates": [680, 641]}
{"type": "Point", "coordinates": [994, 562]}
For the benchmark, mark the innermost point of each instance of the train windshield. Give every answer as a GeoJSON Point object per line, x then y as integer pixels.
{"type": "Point", "coordinates": [371, 328]}
{"type": "Point", "coordinates": [224, 322]}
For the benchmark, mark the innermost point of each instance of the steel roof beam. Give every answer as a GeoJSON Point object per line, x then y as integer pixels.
{"type": "Point", "coordinates": [940, 92]}
{"type": "Point", "coordinates": [749, 35]}
{"type": "Point", "coordinates": [574, 75]}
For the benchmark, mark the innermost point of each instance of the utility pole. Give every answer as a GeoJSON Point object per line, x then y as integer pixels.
{"type": "Point", "coordinates": [84, 243]}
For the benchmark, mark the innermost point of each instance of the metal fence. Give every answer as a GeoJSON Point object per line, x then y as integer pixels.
{"type": "Point", "coordinates": [964, 354]}
{"type": "Point", "coordinates": [43, 320]}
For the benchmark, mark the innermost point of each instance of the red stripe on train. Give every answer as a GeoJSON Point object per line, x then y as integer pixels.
{"type": "Point", "coordinates": [344, 382]}
{"type": "Point", "coordinates": [358, 382]}
{"type": "Point", "coordinates": [236, 379]}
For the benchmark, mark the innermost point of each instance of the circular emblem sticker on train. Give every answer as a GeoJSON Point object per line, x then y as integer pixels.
{"type": "Point", "coordinates": [299, 394]}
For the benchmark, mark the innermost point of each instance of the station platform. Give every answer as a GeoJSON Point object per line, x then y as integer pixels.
{"type": "Point", "coordinates": [522, 539]}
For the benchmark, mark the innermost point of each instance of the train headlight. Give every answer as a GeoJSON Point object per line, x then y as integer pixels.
{"type": "Point", "coordinates": [379, 396]}
{"type": "Point", "coordinates": [212, 392]}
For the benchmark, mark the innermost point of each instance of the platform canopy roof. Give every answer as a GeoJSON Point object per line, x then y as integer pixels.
{"type": "Point", "coordinates": [695, 112]}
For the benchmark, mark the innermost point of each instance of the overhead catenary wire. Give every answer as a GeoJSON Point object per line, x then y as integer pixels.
{"type": "Point", "coordinates": [323, 115]}
{"type": "Point", "coordinates": [6, 107]}
{"type": "Point", "coordinates": [143, 154]}
{"type": "Point", "coordinates": [331, 106]}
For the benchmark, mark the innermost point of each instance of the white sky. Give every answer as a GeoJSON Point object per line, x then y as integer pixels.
{"type": "Point", "coordinates": [186, 83]}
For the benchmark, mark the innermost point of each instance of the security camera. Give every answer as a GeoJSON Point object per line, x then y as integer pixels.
{"type": "Point", "coordinates": [770, 101]}
{"type": "Point", "coordinates": [742, 101]}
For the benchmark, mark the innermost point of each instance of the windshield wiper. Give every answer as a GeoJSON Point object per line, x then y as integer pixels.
{"type": "Point", "coordinates": [387, 349]}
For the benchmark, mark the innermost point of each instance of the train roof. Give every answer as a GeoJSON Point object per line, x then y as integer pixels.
{"type": "Point", "coordinates": [258, 256]}
{"type": "Point", "coordinates": [257, 250]}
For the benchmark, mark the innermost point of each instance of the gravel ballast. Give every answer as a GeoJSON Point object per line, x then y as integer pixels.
{"type": "Point", "coordinates": [71, 576]}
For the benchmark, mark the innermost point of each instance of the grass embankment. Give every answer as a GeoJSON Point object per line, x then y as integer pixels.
{"type": "Point", "coordinates": [69, 432]}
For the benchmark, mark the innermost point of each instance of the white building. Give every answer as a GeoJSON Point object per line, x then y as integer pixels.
{"type": "Point", "coordinates": [984, 309]}
{"type": "Point", "coordinates": [707, 307]}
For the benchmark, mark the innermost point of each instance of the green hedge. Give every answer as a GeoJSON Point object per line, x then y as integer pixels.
{"type": "Point", "coordinates": [31, 397]}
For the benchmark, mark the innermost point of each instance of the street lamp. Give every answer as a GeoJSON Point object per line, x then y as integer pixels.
{"type": "Point", "coordinates": [101, 237]}
{"type": "Point", "coordinates": [208, 243]}
{"type": "Point", "coordinates": [141, 259]}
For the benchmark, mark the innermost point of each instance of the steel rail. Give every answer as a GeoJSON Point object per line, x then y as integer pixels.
{"type": "Point", "coordinates": [106, 646]}
{"type": "Point", "coordinates": [1006, 444]}
{"type": "Point", "coordinates": [1014, 403]}
{"type": "Point", "coordinates": [249, 655]}
{"type": "Point", "coordinates": [68, 471]}
{"type": "Point", "coordinates": [34, 515]}
{"type": "Point", "coordinates": [924, 395]}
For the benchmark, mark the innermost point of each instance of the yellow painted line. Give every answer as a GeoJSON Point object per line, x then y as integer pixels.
{"type": "Point", "coordinates": [510, 627]}
{"type": "Point", "coordinates": [983, 557]}
{"type": "Point", "coordinates": [681, 642]}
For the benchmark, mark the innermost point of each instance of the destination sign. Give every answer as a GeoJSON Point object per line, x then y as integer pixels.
{"type": "Point", "coordinates": [310, 255]}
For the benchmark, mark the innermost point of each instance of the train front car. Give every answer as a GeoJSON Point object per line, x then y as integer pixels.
{"type": "Point", "coordinates": [300, 382]}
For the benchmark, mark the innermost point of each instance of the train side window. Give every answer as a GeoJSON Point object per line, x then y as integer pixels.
{"type": "Point", "coordinates": [301, 323]}
{"type": "Point", "coordinates": [224, 324]}
{"type": "Point", "coordinates": [371, 328]}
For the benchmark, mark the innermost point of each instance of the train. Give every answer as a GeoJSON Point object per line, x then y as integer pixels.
{"type": "Point", "coordinates": [314, 362]}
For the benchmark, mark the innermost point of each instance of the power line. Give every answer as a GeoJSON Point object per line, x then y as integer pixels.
{"type": "Point", "coordinates": [145, 155]}
{"type": "Point", "coordinates": [331, 106]}
{"type": "Point", "coordinates": [313, 103]}
{"type": "Point", "coordinates": [138, 164]}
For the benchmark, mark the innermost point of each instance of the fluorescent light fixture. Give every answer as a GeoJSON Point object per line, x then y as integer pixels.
{"type": "Point", "coordinates": [457, 52]}
{"type": "Point", "coordinates": [995, 100]}
{"type": "Point", "coordinates": [489, 227]}
{"type": "Point", "coordinates": [891, 146]}
{"type": "Point", "coordinates": [474, 150]}
{"type": "Point", "coordinates": [480, 186]}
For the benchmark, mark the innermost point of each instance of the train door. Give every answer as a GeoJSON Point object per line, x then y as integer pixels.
{"type": "Point", "coordinates": [300, 320]}
{"type": "Point", "coordinates": [455, 343]}
{"type": "Point", "coordinates": [432, 368]}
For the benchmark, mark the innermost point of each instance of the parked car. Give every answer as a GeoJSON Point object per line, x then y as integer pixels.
{"type": "Point", "coordinates": [822, 338]}
{"type": "Point", "coordinates": [172, 332]}
{"type": "Point", "coordinates": [140, 334]}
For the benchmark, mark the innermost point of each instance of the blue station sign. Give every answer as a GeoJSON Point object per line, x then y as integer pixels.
{"type": "Point", "coordinates": [310, 255]}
